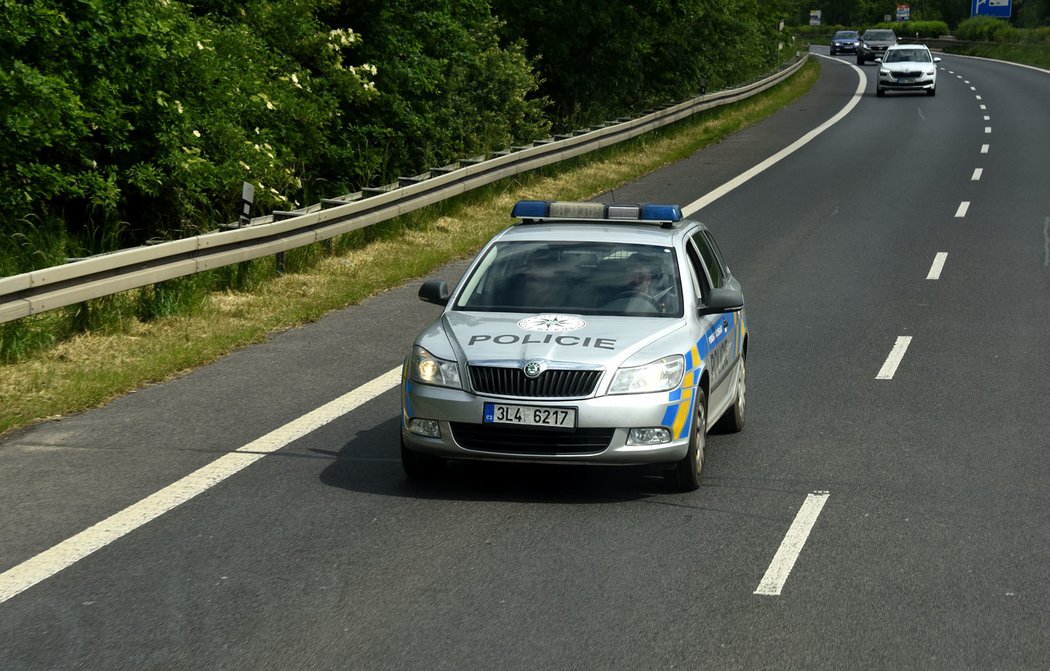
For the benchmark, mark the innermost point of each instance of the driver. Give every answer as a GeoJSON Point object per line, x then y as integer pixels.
{"type": "Point", "coordinates": [640, 275]}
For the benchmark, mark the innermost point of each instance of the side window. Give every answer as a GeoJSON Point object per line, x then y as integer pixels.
{"type": "Point", "coordinates": [701, 283]}
{"type": "Point", "coordinates": [723, 268]}
{"type": "Point", "coordinates": [711, 261]}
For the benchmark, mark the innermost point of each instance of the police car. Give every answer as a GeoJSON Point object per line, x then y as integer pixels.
{"type": "Point", "coordinates": [585, 333]}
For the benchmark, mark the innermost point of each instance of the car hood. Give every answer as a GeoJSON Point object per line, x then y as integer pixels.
{"type": "Point", "coordinates": [599, 341]}
{"type": "Point", "coordinates": [907, 66]}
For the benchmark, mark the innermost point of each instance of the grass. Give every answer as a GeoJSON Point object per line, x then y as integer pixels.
{"type": "Point", "coordinates": [1037, 55]}
{"type": "Point", "coordinates": [89, 369]}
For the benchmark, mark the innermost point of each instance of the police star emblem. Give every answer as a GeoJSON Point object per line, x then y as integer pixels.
{"type": "Point", "coordinates": [551, 323]}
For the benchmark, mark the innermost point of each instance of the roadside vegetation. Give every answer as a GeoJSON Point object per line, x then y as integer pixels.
{"type": "Point", "coordinates": [91, 367]}
{"type": "Point", "coordinates": [125, 123]}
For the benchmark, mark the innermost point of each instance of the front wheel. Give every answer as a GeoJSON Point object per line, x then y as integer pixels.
{"type": "Point", "coordinates": [685, 476]}
{"type": "Point", "coordinates": [879, 91]}
{"type": "Point", "coordinates": [860, 60]}
{"type": "Point", "coordinates": [931, 92]}
{"type": "Point", "coordinates": [733, 420]}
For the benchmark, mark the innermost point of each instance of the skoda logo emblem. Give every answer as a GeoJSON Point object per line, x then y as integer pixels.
{"type": "Point", "coordinates": [533, 369]}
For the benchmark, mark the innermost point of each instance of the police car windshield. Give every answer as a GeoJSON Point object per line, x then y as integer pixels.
{"type": "Point", "coordinates": [593, 278]}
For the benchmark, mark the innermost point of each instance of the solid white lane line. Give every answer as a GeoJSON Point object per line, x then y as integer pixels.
{"type": "Point", "coordinates": [963, 208]}
{"type": "Point", "coordinates": [790, 548]}
{"type": "Point", "coordinates": [985, 148]}
{"type": "Point", "coordinates": [717, 193]}
{"type": "Point", "coordinates": [889, 368]}
{"type": "Point", "coordinates": [49, 562]}
{"type": "Point", "coordinates": [938, 266]}
{"type": "Point", "coordinates": [977, 172]}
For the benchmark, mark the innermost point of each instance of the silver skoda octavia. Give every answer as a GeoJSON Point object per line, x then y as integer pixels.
{"type": "Point", "coordinates": [587, 333]}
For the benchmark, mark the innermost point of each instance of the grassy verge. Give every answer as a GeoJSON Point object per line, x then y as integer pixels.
{"type": "Point", "coordinates": [1037, 55]}
{"type": "Point", "coordinates": [89, 369]}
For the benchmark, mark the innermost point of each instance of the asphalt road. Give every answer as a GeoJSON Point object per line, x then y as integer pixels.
{"type": "Point", "coordinates": [897, 374]}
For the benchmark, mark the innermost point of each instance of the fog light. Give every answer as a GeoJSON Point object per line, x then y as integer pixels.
{"type": "Point", "coordinates": [425, 427]}
{"type": "Point", "coordinates": [650, 436]}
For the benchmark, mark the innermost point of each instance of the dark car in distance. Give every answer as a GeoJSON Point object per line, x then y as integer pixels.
{"type": "Point", "coordinates": [844, 42]}
{"type": "Point", "coordinates": [873, 44]}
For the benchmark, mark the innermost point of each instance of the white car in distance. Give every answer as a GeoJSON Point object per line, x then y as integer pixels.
{"type": "Point", "coordinates": [907, 67]}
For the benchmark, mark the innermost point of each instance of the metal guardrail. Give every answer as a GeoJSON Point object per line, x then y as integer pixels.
{"type": "Point", "coordinates": [106, 274]}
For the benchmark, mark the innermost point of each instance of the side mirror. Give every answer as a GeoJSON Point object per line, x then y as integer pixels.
{"type": "Point", "coordinates": [878, 60]}
{"type": "Point", "coordinates": [936, 59]}
{"type": "Point", "coordinates": [722, 300]}
{"type": "Point", "coordinates": [434, 291]}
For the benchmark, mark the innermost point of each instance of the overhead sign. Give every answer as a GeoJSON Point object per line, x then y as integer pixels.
{"type": "Point", "coordinates": [1000, 9]}
{"type": "Point", "coordinates": [903, 13]}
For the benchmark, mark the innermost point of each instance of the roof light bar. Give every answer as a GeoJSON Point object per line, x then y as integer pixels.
{"type": "Point", "coordinates": [529, 209]}
{"type": "Point", "coordinates": [572, 210]}
{"type": "Point", "coordinates": [543, 209]}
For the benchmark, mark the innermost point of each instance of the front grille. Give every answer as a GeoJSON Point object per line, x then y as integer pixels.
{"type": "Point", "coordinates": [549, 384]}
{"type": "Point", "coordinates": [523, 440]}
{"type": "Point", "coordinates": [907, 75]}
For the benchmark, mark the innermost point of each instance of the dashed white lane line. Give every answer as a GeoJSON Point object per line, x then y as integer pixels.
{"type": "Point", "coordinates": [49, 562]}
{"type": "Point", "coordinates": [979, 98]}
{"type": "Point", "coordinates": [977, 172]}
{"type": "Point", "coordinates": [938, 266]}
{"type": "Point", "coordinates": [984, 107]}
{"type": "Point", "coordinates": [985, 148]}
{"type": "Point", "coordinates": [889, 368]}
{"type": "Point", "coordinates": [1046, 242]}
{"type": "Point", "coordinates": [790, 548]}
{"type": "Point", "coordinates": [963, 208]}
{"type": "Point", "coordinates": [987, 129]}
{"type": "Point", "coordinates": [987, 118]}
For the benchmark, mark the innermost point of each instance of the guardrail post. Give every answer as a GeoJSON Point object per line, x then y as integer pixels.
{"type": "Point", "coordinates": [247, 200]}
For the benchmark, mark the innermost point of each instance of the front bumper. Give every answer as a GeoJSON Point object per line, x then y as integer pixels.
{"type": "Point", "coordinates": [923, 83]}
{"type": "Point", "coordinates": [600, 437]}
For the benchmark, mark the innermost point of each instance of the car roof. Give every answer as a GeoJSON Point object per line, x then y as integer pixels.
{"type": "Point", "coordinates": [902, 47]}
{"type": "Point", "coordinates": [599, 231]}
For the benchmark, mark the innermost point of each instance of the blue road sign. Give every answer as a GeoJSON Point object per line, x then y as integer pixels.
{"type": "Point", "coordinates": [1000, 9]}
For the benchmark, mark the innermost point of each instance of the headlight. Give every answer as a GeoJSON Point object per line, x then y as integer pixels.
{"type": "Point", "coordinates": [884, 73]}
{"type": "Point", "coordinates": [930, 73]}
{"type": "Point", "coordinates": [426, 368]}
{"type": "Point", "coordinates": [662, 375]}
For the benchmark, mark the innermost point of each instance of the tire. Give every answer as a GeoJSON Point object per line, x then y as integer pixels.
{"type": "Point", "coordinates": [419, 466]}
{"type": "Point", "coordinates": [685, 476]}
{"type": "Point", "coordinates": [879, 92]}
{"type": "Point", "coordinates": [733, 420]}
{"type": "Point", "coordinates": [931, 92]}
{"type": "Point", "coordinates": [833, 52]}
{"type": "Point", "coordinates": [860, 60]}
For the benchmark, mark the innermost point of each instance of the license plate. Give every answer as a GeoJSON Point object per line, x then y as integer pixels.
{"type": "Point", "coordinates": [906, 80]}
{"type": "Point", "coordinates": [530, 415]}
